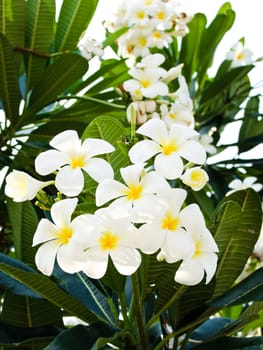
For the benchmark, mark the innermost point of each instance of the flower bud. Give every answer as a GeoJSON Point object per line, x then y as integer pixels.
{"type": "Point", "coordinates": [195, 177]}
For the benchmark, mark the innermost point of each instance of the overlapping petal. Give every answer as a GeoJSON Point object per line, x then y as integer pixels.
{"type": "Point", "coordinates": [69, 181]}
{"type": "Point", "coordinates": [49, 161]}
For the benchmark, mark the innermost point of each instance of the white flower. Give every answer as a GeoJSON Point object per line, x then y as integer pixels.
{"type": "Point", "coordinates": [195, 177]}
{"type": "Point", "coordinates": [168, 147]}
{"type": "Point", "coordinates": [58, 238]}
{"type": "Point", "coordinates": [203, 261]}
{"type": "Point", "coordinates": [137, 196]}
{"type": "Point", "coordinates": [248, 182]}
{"type": "Point", "coordinates": [139, 111]}
{"type": "Point", "coordinates": [21, 187]}
{"type": "Point", "coordinates": [206, 140]}
{"type": "Point", "coordinates": [166, 230]}
{"type": "Point", "coordinates": [70, 157]}
{"type": "Point", "coordinates": [108, 235]}
{"type": "Point", "coordinates": [89, 47]}
{"type": "Point", "coordinates": [239, 55]}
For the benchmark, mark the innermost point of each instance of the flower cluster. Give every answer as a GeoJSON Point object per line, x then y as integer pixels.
{"type": "Point", "coordinates": [143, 213]}
{"type": "Point", "coordinates": [150, 23]}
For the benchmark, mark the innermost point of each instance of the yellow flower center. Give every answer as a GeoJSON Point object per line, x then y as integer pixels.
{"type": "Point", "coordinates": [160, 16]}
{"type": "Point", "coordinates": [134, 192]}
{"type": "Point", "coordinates": [157, 35]}
{"type": "Point", "coordinates": [140, 15]}
{"type": "Point", "coordinates": [143, 42]}
{"type": "Point", "coordinates": [169, 148]}
{"type": "Point", "coordinates": [239, 56]}
{"type": "Point", "coordinates": [77, 161]}
{"type": "Point", "coordinates": [172, 115]}
{"type": "Point", "coordinates": [198, 250]}
{"type": "Point", "coordinates": [145, 83]}
{"type": "Point", "coordinates": [108, 241]}
{"type": "Point", "coordinates": [170, 222]}
{"type": "Point", "coordinates": [197, 176]}
{"type": "Point", "coordinates": [64, 235]}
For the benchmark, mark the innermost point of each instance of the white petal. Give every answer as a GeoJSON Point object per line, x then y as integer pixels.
{"type": "Point", "coordinates": [99, 169]}
{"type": "Point", "coordinates": [45, 257]}
{"type": "Point", "coordinates": [150, 239]}
{"type": "Point", "coordinates": [71, 258]}
{"type": "Point", "coordinates": [189, 273]}
{"type": "Point", "coordinates": [126, 260]}
{"type": "Point", "coordinates": [66, 141]}
{"type": "Point", "coordinates": [85, 228]}
{"type": "Point", "coordinates": [171, 167]}
{"type": "Point", "coordinates": [192, 218]}
{"type": "Point", "coordinates": [178, 245]}
{"type": "Point", "coordinates": [61, 211]}
{"type": "Point", "coordinates": [94, 147]}
{"type": "Point", "coordinates": [143, 150]}
{"type": "Point", "coordinates": [154, 183]}
{"type": "Point", "coordinates": [209, 263]}
{"type": "Point", "coordinates": [132, 173]}
{"type": "Point", "coordinates": [156, 89]}
{"type": "Point", "coordinates": [108, 190]}
{"type": "Point", "coordinates": [45, 232]}
{"type": "Point", "coordinates": [154, 129]}
{"type": "Point", "coordinates": [49, 161]}
{"type": "Point", "coordinates": [174, 199]}
{"type": "Point", "coordinates": [96, 263]}
{"type": "Point", "coordinates": [149, 207]}
{"type": "Point", "coordinates": [69, 181]}
{"type": "Point", "coordinates": [193, 151]}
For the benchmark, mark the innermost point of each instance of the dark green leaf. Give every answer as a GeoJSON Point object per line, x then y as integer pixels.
{"type": "Point", "coordinates": [9, 89]}
{"type": "Point", "coordinates": [74, 18]}
{"type": "Point", "coordinates": [231, 343]}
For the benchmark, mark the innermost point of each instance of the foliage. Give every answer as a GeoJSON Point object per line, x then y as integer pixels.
{"type": "Point", "coordinates": [47, 86]}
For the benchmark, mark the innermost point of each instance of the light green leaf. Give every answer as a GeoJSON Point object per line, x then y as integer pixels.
{"type": "Point", "coordinates": [65, 70]}
{"type": "Point", "coordinates": [74, 18]}
{"type": "Point", "coordinates": [27, 312]}
{"type": "Point", "coordinates": [237, 227]}
{"type": "Point", "coordinates": [24, 221]}
{"type": "Point", "coordinates": [40, 20]}
{"type": "Point", "coordinates": [9, 88]}
{"type": "Point", "coordinates": [48, 290]}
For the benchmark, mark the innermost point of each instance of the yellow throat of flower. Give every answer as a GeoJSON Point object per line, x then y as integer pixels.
{"type": "Point", "coordinates": [108, 241]}
{"type": "Point", "coordinates": [170, 222]}
{"type": "Point", "coordinates": [134, 192]}
{"type": "Point", "coordinates": [64, 235]}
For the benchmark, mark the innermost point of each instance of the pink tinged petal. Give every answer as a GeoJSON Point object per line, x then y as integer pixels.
{"type": "Point", "coordinates": [45, 231]}
{"type": "Point", "coordinates": [71, 258]}
{"type": "Point", "coordinates": [99, 169]}
{"type": "Point", "coordinates": [154, 129]}
{"type": "Point", "coordinates": [154, 183]}
{"type": "Point", "coordinates": [209, 263]}
{"type": "Point", "coordinates": [132, 173]}
{"type": "Point", "coordinates": [96, 263]}
{"type": "Point", "coordinates": [170, 167]}
{"type": "Point", "coordinates": [178, 245]}
{"type": "Point", "coordinates": [69, 181]}
{"type": "Point", "coordinates": [108, 190]}
{"type": "Point", "coordinates": [66, 141]}
{"type": "Point", "coordinates": [126, 260]}
{"type": "Point", "coordinates": [150, 239]}
{"type": "Point", "coordinates": [193, 151]}
{"type": "Point", "coordinates": [49, 161]}
{"type": "Point", "coordinates": [61, 211]}
{"type": "Point", "coordinates": [93, 147]}
{"type": "Point", "coordinates": [189, 273]}
{"type": "Point", "coordinates": [45, 257]}
{"type": "Point", "coordinates": [143, 150]}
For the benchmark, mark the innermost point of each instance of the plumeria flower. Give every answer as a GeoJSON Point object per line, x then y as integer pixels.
{"type": "Point", "coordinates": [195, 177]}
{"type": "Point", "coordinates": [176, 113]}
{"type": "Point", "coordinates": [203, 262]}
{"type": "Point", "coordinates": [148, 78]}
{"type": "Point", "coordinates": [239, 55]}
{"type": "Point", "coordinates": [138, 196]}
{"type": "Point", "coordinates": [139, 111]}
{"type": "Point", "coordinates": [90, 47]}
{"type": "Point", "coordinates": [168, 147]}
{"type": "Point", "coordinates": [109, 235]}
{"type": "Point", "coordinates": [22, 187]}
{"type": "Point", "coordinates": [206, 140]}
{"type": "Point", "coordinates": [70, 157]}
{"type": "Point", "coordinates": [167, 229]}
{"type": "Point", "coordinates": [58, 239]}
{"type": "Point", "coordinates": [248, 182]}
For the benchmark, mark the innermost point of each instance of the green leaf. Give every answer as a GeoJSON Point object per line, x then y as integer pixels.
{"type": "Point", "coordinates": [237, 226]}
{"type": "Point", "coordinates": [189, 54]}
{"type": "Point", "coordinates": [40, 20]}
{"type": "Point", "coordinates": [231, 343]}
{"type": "Point", "coordinates": [12, 21]}
{"type": "Point", "coordinates": [80, 337]}
{"type": "Point", "coordinates": [48, 290]}
{"type": "Point", "coordinates": [24, 221]}
{"type": "Point", "coordinates": [27, 312]}
{"type": "Point", "coordinates": [109, 129]}
{"type": "Point", "coordinates": [65, 70]}
{"type": "Point", "coordinates": [74, 18]}
{"type": "Point", "coordinates": [9, 88]}
{"type": "Point", "coordinates": [249, 289]}
{"type": "Point", "coordinates": [251, 130]}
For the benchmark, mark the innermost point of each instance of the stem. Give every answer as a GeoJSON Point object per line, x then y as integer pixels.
{"type": "Point", "coordinates": [170, 302]}
{"type": "Point", "coordinates": [124, 310]}
{"type": "Point", "coordinates": [89, 98]}
{"type": "Point", "coordinates": [138, 311]}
